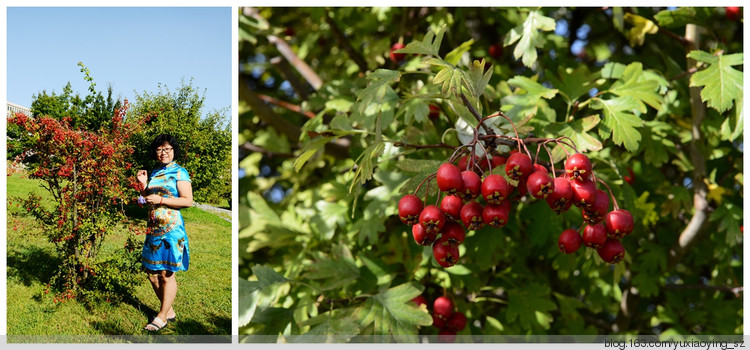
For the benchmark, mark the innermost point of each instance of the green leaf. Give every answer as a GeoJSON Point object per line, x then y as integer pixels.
{"type": "Point", "coordinates": [613, 70]}
{"type": "Point", "coordinates": [620, 121]}
{"type": "Point", "coordinates": [335, 327]}
{"type": "Point", "coordinates": [452, 79]}
{"type": "Point", "coordinates": [429, 46]}
{"type": "Point", "coordinates": [729, 217]}
{"type": "Point", "coordinates": [455, 55]}
{"type": "Point", "coordinates": [415, 109]}
{"type": "Point", "coordinates": [641, 27]}
{"type": "Point", "coordinates": [392, 313]}
{"type": "Point", "coordinates": [722, 84]}
{"type": "Point", "coordinates": [731, 129]}
{"type": "Point", "coordinates": [577, 130]}
{"type": "Point", "coordinates": [656, 143]}
{"type": "Point", "coordinates": [633, 83]}
{"type": "Point", "coordinates": [647, 284]}
{"type": "Point", "coordinates": [530, 306]}
{"type": "Point", "coordinates": [524, 106]}
{"type": "Point", "coordinates": [478, 78]}
{"type": "Point", "coordinates": [529, 37]}
{"type": "Point", "coordinates": [333, 272]}
{"type": "Point", "coordinates": [375, 92]}
{"type": "Point", "coordinates": [365, 166]}
{"type": "Point", "coordinates": [572, 83]}
{"type": "Point", "coordinates": [418, 165]}
{"type": "Point", "coordinates": [310, 149]}
{"type": "Point", "coordinates": [683, 16]}
{"type": "Point", "coordinates": [258, 294]}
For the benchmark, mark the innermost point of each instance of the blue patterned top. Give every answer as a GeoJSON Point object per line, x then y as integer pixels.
{"type": "Point", "coordinates": [166, 246]}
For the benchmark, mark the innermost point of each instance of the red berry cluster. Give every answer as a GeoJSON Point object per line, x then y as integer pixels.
{"type": "Point", "coordinates": [444, 317]}
{"type": "Point", "coordinates": [594, 203]}
{"type": "Point", "coordinates": [444, 226]}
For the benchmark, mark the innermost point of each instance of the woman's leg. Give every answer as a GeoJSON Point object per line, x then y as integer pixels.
{"type": "Point", "coordinates": [168, 285]}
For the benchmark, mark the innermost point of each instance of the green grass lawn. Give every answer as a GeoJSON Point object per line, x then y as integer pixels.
{"type": "Point", "coordinates": [204, 296]}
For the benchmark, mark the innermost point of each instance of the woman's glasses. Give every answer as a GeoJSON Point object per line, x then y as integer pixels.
{"type": "Point", "coordinates": [163, 150]}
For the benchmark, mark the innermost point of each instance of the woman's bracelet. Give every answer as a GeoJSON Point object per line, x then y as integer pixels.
{"type": "Point", "coordinates": [161, 200]}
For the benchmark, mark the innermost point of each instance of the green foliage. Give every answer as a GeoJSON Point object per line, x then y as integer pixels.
{"type": "Point", "coordinates": [205, 139]}
{"type": "Point", "coordinates": [319, 211]}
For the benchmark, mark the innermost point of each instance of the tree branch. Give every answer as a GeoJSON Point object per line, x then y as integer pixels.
{"type": "Point", "coordinates": [353, 54]}
{"type": "Point", "coordinates": [734, 290]}
{"type": "Point", "coordinates": [266, 114]}
{"type": "Point", "coordinates": [254, 148]}
{"type": "Point", "coordinates": [700, 203]}
{"type": "Point", "coordinates": [300, 87]}
{"type": "Point", "coordinates": [290, 106]}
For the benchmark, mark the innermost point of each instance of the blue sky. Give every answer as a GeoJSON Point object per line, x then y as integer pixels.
{"type": "Point", "coordinates": [132, 49]}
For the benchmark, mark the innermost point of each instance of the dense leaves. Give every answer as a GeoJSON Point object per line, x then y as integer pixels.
{"type": "Point", "coordinates": [319, 198]}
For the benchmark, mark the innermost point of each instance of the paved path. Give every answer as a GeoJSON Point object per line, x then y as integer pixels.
{"type": "Point", "coordinates": [216, 210]}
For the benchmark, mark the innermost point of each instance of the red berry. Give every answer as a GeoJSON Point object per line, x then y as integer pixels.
{"type": "Point", "coordinates": [443, 307]}
{"type": "Point", "coordinates": [496, 51]}
{"type": "Point", "coordinates": [434, 112]}
{"type": "Point", "coordinates": [421, 236]}
{"type": "Point", "coordinates": [438, 322]}
{"type": "Point", "coordinates": [409, 207]}
{"type": "Point", "coordinates": [569, 241]}
{"type": "Point", "coordinates": [446, 335]}
{"type": "Point", "coordinates": [584, 193]}
{"type": "Point", "coordinates": [612, 251]}
{"type": "Point", "coordinates": [456, 322]}
{"type": "Point", "coordinates": [594, 236]}
{"type": "Point", "coordinates": [496, 215]}
{"type": "Point", "coordinates": [561, 198]}
{"type": "Point", "coordinates": [619, 223]}
{"type": "Point", "coordinates": [732, 13]}
{"type": "Point", "coordinates": [629, 179]}
{"type": "Point", "coordinates": [540, 184]}
{"type": "Point", "coordinates": [449, 178]}
{"type": "Point", "coordinates": [432, 218]}
{"type": "Point", "coordinates": [420, 300]}
{"type": "Point", "coordinates": [472, 185]}
{"type": "Point", "coordinates": [598, 210]}
{"type": "Point", "coordinates": [397, 57]}
{"type": "Point", "coordinates": [539, 167]}
{"type": "Point", "coordinates": [497, 161]}
{"type": "Point", "coordinates": [454, 233]}
{"type": "Point", "coordinates": [518, 166]}
{"type": "Point", "coordinates": [495, 189]}
{"type": "Point", "coordinates": [445, 252]}
{"type": "Point", "coordinates": [451, 206]}
{"type": "Point", "coordinates": [471, 215]}
{"type": "Point", "coordinates": [578, 167]}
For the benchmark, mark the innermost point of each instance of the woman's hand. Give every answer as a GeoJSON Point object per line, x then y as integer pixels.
{"type": "Point", "coordinates": [142, 177]}
{"type": "Point", "coordinates": [154, 199]}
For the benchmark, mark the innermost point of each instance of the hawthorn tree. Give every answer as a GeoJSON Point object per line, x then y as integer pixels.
{"type": "Point", "coordinates": [85, 173]}
{"type": "Point", "coordinates": [345, 111]}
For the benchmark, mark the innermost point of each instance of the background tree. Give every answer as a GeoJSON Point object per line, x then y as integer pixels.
{"type": "Point", "coordinates": [205, 139]}
{"type": "Point", "coordinates": [336, 128]}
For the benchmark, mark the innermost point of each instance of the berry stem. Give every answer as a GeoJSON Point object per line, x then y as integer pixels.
{"type": "Point", "coordinates": [428, 185]}
{"type": "Point", "coordinates": [486, 155]}
{"type": "Point", "coordinates": [456, 152]}
{"type": "Point", "coordinates": [552, 164]}
{"type": "Point", "coordinates": [614, 201]}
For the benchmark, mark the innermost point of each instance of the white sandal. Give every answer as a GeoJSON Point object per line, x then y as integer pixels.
{"type": "Point", "coordinates": [157, 324]}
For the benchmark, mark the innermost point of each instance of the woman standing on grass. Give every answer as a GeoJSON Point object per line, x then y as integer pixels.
{"type": "Point", "coordinates": [166, 248]}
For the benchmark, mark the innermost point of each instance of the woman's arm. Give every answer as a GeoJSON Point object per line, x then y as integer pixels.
{"type": "Point", "coordinates": [184, 188]}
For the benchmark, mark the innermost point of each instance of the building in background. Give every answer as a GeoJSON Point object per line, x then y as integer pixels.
{"type": "Point", "coordinates": [14, 108]}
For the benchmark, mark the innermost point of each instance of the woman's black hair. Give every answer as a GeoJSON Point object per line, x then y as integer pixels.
{"type": "Point", "coordinates": [160, 140]}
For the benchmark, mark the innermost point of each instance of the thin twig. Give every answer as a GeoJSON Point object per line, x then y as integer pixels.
{"type": "Point", "coordinates": [290, 106]}
{"type": "Point", "coordinates": [353, 54]}
{"type": "Point", "coordinates": [255, 148]}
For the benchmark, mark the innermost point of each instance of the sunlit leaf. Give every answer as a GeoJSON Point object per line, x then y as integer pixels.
{"type": "Point", "coordinates": [620, 121]}
{"type": "Point", "coordinates": [392, 312]}
{"type": "Point", "coordinates": [722, 84]}
{"type": "Point", "coordinates": [529, 37]}
{"type": "Point", "coordinates": [641, 27]}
